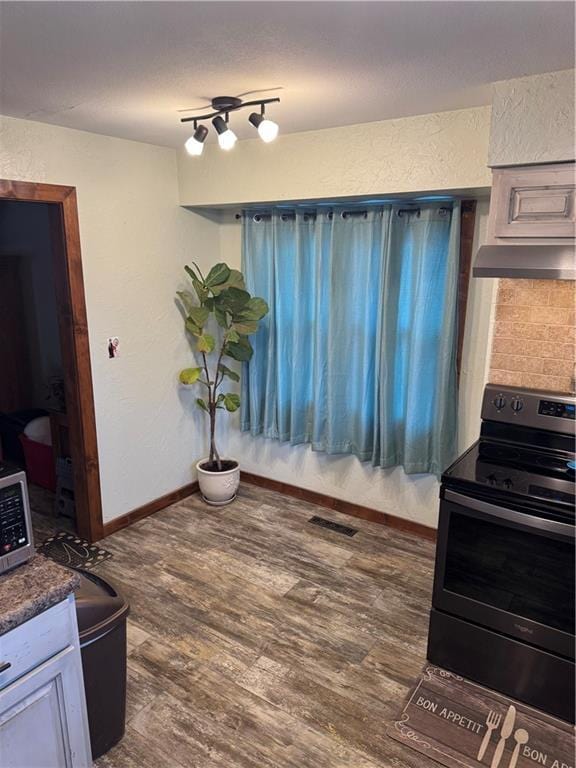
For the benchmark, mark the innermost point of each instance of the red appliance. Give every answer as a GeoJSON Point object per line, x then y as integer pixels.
{"type": "Point", "coordinates": [40, 468]}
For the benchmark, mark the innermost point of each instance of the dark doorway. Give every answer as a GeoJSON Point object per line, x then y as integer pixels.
{"type": "Point", "coordinates": [44, 352]}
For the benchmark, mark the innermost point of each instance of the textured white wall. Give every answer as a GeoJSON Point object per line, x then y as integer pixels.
{"type": "Point", "coordinates": [414, 497]}
{"type": "Point", "coordinates": [135, 240]}
{"type": "Point", "coordinates": [439, 151]}
{"type": "Point", "coordinates": [533, 120]}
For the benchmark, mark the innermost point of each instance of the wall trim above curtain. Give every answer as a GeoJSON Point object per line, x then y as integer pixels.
{"type": "Point", "coordinates": [358, 354]}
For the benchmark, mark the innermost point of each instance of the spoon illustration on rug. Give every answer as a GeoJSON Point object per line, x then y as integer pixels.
{"type": "Point", "coordinates": [521, 737]}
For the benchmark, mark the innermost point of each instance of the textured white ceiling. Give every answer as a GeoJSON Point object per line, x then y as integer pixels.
{"type": "Point", "coordinates": [125, 68]}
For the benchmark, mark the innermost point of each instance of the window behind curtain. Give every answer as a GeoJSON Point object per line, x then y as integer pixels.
{"type": "Point", "coordinates": [358, 352]}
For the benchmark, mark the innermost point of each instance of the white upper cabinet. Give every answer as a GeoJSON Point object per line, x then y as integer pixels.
{"type": "Point", "coordinates": [532, 204]}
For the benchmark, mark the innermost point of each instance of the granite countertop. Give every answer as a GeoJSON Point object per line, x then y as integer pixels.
{"type": "Point", "coordinates": [31, 588]}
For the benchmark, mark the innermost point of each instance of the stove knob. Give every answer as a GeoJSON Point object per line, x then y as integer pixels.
{"type": "Point", "coordinates": [517, 405]}
{"type": "Point", "coordinates": [492, 479]}
{"type": "Point", "coordinates": [508, 483]}
{"type": "Point", "coordinates": [499, 402]}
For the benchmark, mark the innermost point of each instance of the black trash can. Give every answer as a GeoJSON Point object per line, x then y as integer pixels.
{"type": "Point", "coordinates": [101, 614]}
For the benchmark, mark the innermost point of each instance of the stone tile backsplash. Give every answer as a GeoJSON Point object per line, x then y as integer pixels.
{"type": "Point", "coordinates": [533, 344]}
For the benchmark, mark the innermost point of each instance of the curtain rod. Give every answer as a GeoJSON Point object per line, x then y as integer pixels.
{"type": "Point", "coordinates": [288, 215]}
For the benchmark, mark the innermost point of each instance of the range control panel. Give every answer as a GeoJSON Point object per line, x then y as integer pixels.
{"type": "Point", "coordinates": [554, 408]}
{"type": "Point", "coordinates": [550, 411]}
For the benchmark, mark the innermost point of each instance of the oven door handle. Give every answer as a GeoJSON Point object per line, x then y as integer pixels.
{"type": "Point", "coordinates": [511, 515]}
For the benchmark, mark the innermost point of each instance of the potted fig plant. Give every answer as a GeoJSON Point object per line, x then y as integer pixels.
{"type": "Point", "coordinates": [219, 300]}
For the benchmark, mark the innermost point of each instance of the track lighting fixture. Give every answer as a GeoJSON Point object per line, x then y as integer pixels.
{"type": "Point", "coordinates": [195, 144]}
{"type": "Point", "coordinates": [222, 106]}
{"type": "Point", "coordinates": [226, 137]}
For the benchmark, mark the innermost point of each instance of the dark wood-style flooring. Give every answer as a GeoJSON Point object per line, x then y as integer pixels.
{"type": "Point", "coordinates": [258, 640]}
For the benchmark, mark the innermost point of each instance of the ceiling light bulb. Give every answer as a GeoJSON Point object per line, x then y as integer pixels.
{"type": "Point", "coordinates": [226, 137]}
{"type": "Point", "coordinates": [195, 144]}
{"type": "Point", "coordinates": [267, 129]}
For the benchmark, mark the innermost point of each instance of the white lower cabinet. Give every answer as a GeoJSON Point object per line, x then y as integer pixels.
{"type": "Point", "coordinates": [43, 721]}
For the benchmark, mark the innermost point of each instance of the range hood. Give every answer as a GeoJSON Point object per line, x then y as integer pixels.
{"type": "Point", "coordinates": [541, 262]}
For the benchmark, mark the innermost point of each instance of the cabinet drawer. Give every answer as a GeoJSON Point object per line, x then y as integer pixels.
{"type": "Point", "coordinates": [534, 202]}
{"type": "Point", "coordinates": [36, 640]}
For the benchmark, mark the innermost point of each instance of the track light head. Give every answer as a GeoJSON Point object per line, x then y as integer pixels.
{"type": "Point", "coordinates": [267, 129]}
{"type": "Point", "coordinates": [226, 137]}
{"type": "Point", "coordinates": [195, 144]}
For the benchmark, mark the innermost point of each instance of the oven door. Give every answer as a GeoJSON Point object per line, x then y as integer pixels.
{"type": "Point", "coordinates": [506, 570]}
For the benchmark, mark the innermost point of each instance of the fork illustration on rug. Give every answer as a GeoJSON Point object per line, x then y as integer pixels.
{"type": "Point", "coordinates": [492, 723]}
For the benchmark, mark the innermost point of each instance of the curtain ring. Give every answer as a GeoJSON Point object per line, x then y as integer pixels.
{"type": "Point", "coordinates": [284, 217]}
{"type": "Point", "coordinates": [330, 215]}
{"type": "Point", "coordinates": [257, 218]}
{"type": "Point", "coordinates": [344, 215]}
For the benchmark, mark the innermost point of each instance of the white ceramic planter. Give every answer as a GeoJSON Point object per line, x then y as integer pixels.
{"type": "Point", "coordinates": [218, 488]}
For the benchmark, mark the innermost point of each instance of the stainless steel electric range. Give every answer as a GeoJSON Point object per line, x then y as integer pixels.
{"type": "Point", "coordinates": [503, 602]}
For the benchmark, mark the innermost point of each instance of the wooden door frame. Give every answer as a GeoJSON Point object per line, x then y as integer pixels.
{"type": "Point", "coordinates": [69, 285]}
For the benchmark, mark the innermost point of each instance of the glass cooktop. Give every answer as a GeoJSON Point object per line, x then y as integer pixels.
{"type": "Point", "coordinates": [512, 474]}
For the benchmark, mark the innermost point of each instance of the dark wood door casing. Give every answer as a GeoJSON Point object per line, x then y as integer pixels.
{"type": "Point", "coordinates": [69, 285]}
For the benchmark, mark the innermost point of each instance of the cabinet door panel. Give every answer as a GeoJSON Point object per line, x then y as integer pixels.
{"type": "Point", "coordinates": [42, 718]}
{"type": "Point", "coordinates": [534, 202]}
{"type": "Point", "coordinates": [30, 732]}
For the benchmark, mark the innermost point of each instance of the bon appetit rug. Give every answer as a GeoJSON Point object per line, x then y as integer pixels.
{"type": "Point", "coordinates": [463, 725]}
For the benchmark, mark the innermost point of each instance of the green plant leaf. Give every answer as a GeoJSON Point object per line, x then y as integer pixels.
{"type": "Point", "coordinates": [240, 350]}
{"type": "Point", "coordinates": [199, 287]}
{"type": "Point", "coordinates": [245, 328]}
{"type": "Point", "coordinates": [231, 335]}
{"type": "Point", "coordinates": [187, 300]}
{"type": "Point", "coordinates": [235, 280]}
{"type": "Point", "coordinates": [192, 273]}
{"type": "Point", "coordinates": [199, 315]}
{"type": "Point", "coordinates": [231, 401]}
{"type": "Point", "coordinates": [233, 300]}
{"type": "Point", "coordinates": [190, 375]}
{"type": "Point", "coordinates": [218, 274]}
{"type": "Point", "coordinates": [201, 404]}
{"type": "Point", "coordinates": [192, 328]}
{"type": "Point", "coordinates": [221, 316]}
{"type": "Point", "coordinates": [255, 309]}
{"type": "Point", "coordinates": [228, 372]}
{"type": "Point", "coordinates": [206, 343]}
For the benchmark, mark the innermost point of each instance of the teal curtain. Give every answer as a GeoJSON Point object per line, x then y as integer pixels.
{"type": "Point", "coordinates": [358, 352]}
